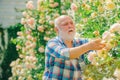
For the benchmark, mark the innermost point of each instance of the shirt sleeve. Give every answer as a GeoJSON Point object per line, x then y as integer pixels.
{"type": "Point", "coordinates": [57, 50]}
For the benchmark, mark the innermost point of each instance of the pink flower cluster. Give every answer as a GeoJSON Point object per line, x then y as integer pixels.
{"type": "Point", "coordinates": [29, 5]}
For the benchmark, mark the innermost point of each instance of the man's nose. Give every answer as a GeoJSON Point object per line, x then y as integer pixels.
{"type": "Point", "coordinates": [70, 25]}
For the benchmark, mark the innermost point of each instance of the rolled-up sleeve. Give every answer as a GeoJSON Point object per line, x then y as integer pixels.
{"type": "Point", "coordinates": [56, 50]}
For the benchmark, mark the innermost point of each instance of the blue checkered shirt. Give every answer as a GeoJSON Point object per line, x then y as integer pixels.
{"type": "Point", "coordinates": [58, 65]}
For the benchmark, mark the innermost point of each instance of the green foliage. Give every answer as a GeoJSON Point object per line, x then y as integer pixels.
{"type": "Point", "coordinates": [10, 54]}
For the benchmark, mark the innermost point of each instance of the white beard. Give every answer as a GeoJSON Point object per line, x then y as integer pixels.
{"type": "Point", "coordinates": [66, 36]}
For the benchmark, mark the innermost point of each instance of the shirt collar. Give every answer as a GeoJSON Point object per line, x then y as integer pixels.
{"type": "Point", "coordinates": [61, 41]}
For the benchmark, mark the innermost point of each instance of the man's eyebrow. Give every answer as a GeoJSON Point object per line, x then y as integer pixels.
{"type": "Point", "coordinates": [63, 22]}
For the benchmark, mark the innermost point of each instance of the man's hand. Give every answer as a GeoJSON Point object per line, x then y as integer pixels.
{"type": "Point", "coordinates": [96, 44]}
{"type": "Point", "coordinates": [92, 45]}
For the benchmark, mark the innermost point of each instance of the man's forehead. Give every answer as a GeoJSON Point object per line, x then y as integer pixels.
{"type": "Point", "coordinates": [63, 19]}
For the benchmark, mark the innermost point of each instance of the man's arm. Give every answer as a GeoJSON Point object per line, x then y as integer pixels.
{"type": "Point", "coordinates": [78, 51]}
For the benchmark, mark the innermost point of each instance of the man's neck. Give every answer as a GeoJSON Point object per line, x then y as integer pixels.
{"type": "Point", "coordinates": [68, 43]}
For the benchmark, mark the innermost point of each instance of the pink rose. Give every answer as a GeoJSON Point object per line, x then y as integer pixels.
{"type": "Point", "coordinates": [39, 1]}
{"type": "Point", "coordinates": [29, 37]}
{"type": "Point", "coordinates": [27, 43]}
{"type": "Point", "coordinates": [46, 38]}
{"type": "Point", "coordinates": [91, 56]}
{"type": "Point", "coordinates": [24, 14]}
{"type": "Point", "coordinates": [19, 33]}
{"type": "Point", "coordinates": [31, 21]}
{"type": "Point", "coordinates": [29, 5]}
{"type": "Point", "coordinates": [28, 32]}
{"type": "Point", "coordinates": [33, 45]}
{"type": "Point", "coordinates": [41, 49]}
{"type": "Point", "coordinates": [18, 47]}
{"type": "Point", "coordinates": [73, 7]}
{"type": "Point", "coordinates": [51, 23]}
{"type": "Point", "coordinates": [23, 21]}
{"type": "Point", "coordinates": [107, 35]}
{"type": "Point", "coordinates": [56, 4]}
{"type": "Point", "coordinates": [40, 28]}
{"type": "Point", "coordinates": [21, 56]}
{"type": "Point", "coordinates": [52, 5]}
{"type": "Point", "coordinates": [115, 28]}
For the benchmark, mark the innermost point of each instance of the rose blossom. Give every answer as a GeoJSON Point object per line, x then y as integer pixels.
{"type": "Point", "coordinates": [19, 33]}
{"type": "Point", "coordinates": [102, 53]}
{"type": "Point", "coordinates": [100, 9]}
{"type": "Point", "coordinates": [31, 21]}
{"type": "Point", "coordinates": [29, 77]}
{"type": "Point", "coordinates": [51, 23]}
{"type": "Point", "coordinates": [41, 21]}
{"type": "Point", "coordinates": [46, 38]}
{"type": "Point", "coordinates": [115, 28]}
{"type": "Point", "coordinates": [63, 11]}
{"type": "Point", "coordinates": [28, 43]}
{"type": "Point", "coordinates": [96, 33]}
{"type": "Point", "coordinates": [48, 32]}
{"type": "Point", "coordinates": [25, 14]}
{"type": "Point", "coordinates": [94, 14]}
{"type": "Point", "coordinates": [108, 78]}
{"type": "Point", "coordinates": [18, 47]}
{"type": "Point", "coordinates": [13, 63]}
{"type": "Point", "coordinates": [91, 56]}
{"type": "Point", "coordinates": [39, 1]}
{"type": "Point", "coordinates": [117, 73]}
{"type": "Point", "coordinates": [110, 44]}
{"type": "Point", "coordinates": [56, 15]}
{"type": "Point", "coordinates": [40, 28]}
{"type": "Point", "coordinates": [90, 1]}
{"type": "Point", "coordinates": [29, 5]}
{"type": "Point", "coordinates": [73, 7]}
{"type": "Point", "coordinates": [87, 7]}
{"type": "Point", "coordinates": [41, 49]}
{"type": "Point", "coordinates": [29, 37]}
{"type": "Point", "coordinates": [107, 35]}
{"type": "Point", "coordinates": [110, 5]}
{"type": "Point", "coordinates": [52, 5]}
{"type": "Point", "coordinates": [51, 1]}
{"type": "Point", "coordinates": [56, 4]}
{"type": "Point", "coordinates": [23, 21]}
{"type": "Point", "coordinates": [33, 45]}
{"type": "Point", "coordinates": [28, 32]}
{"type": "Point", "coordinates": [22, 56]}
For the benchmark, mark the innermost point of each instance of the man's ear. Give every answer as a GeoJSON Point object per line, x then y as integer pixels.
{"type": "Point", "coordinates": [56, 29]}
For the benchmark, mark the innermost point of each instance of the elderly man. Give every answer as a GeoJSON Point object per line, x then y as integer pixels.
{"type": "Point", "coordinates": [62, 52]}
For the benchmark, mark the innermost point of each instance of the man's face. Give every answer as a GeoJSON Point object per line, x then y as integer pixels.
{"type": "Point", "coordinates": [66, 28]}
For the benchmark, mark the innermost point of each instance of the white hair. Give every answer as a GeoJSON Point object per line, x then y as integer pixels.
{"type": "Point", "coordinates": [57, 20]}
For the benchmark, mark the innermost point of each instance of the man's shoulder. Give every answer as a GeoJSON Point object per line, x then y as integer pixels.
{"type": "Point", "coordinates": [52, 42]}
{"type": "Point", "coordinates": [53, 39]}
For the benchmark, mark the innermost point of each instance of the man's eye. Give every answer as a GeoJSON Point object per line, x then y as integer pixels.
{"type": "Point", "coordinates": [65, 23]}
{"type": "Point", "coordinates": [71, 23]}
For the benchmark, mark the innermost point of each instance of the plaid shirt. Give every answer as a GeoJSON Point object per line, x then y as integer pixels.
{"type": "Point", "coordinates": [58, 65]}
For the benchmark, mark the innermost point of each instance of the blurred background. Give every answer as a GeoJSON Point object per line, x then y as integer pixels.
{"type": "Point", "coordinates": [27, 25]}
